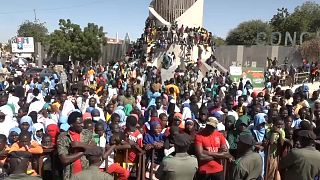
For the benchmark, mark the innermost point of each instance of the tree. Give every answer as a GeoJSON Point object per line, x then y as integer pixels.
{"type": "Point", "coordinates": [246, 32]}
{"type": "Point", "coordinates": [305, 18]}
{"type": "Point", "coordinates": [311, 49]}
{"type": "Point", "coordinates": [219, 41]}
{"type": "Point", "coordinates": [32, 29]}
{"type": "Point", "coordinates": [70, 40]}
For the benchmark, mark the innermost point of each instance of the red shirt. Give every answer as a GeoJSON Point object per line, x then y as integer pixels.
{"type": "Point", "coordinates": [211, 143]}
{"type": "Point", "coordinates": [77, 166]}
{"type": "Point", "coordinates": [136, 137]}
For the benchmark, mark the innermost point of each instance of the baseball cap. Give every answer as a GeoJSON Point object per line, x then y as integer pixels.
{"type": "Point", "coordinates": [212, 121]}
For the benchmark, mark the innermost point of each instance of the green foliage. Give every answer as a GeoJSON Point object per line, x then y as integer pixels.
{"type": "Point", "coordinates": [311, 49]}
{"type": "Point", "coordinates": [71, 40]}
{"type": "Point", "coordinates": [32, 29]}
{"type": "Point", "coordinates": [246, 32]}
{"type": "Point", "coordinates": [305, 18]}
{"type": "Point", "coordinates": [219, 41]}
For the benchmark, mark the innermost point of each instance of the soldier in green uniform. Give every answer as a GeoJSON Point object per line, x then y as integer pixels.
{"type": "Point", "coordinates": [249, 164]}
{"type": "Point", "coordinates": [93, 172]}
{"type": "Point", "coordinates": [302, 163]}
{"type": "Point", "coordinates": [18, 163]}
{"type": "Point", "coordinates": [182, 166]}
{"type": "Point", "coordinates": [72, 144]}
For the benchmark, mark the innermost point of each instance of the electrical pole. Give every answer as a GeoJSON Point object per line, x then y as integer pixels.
{"type": "Point", "coordinates": [35, 15]}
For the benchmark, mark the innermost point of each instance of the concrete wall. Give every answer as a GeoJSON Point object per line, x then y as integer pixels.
{"type": "Point", "coordinates": [255, 56]}
{"type": "Point", "coordinates": [114, 52]}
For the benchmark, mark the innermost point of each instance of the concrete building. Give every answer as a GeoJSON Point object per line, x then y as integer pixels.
{"type": "Point", "coordinates": [184, 12]}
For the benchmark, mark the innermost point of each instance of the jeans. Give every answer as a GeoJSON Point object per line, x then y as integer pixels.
{"type": "Point", "coordinates": [2, 86]}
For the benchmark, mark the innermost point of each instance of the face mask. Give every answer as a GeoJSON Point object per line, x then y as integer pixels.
{"type": "Point", "coordinates": [96, 118]}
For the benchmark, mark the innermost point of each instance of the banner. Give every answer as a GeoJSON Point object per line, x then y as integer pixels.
{"type": "Point", "coordinates": [22, 45]}
{"type": "Point", "coordinates": [254, 75]}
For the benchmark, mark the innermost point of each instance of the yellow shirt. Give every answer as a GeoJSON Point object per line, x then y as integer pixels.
{"type": "Point", "coordinates": [91, 72]}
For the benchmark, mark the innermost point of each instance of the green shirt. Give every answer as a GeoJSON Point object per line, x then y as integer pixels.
{"type": "Point", "coordinates": [232, 138]}
{"type": "Point", "coordinates": [248, 167]}
{"type": "Point", "coordinates": [92, 173]}
{"type": "Point", "coordinates": [64, 148]}
{"type": "Point", "coordinates": [301, 164]}
{"type": "Point", "coordinates": [274, 147]}
{"type": "Point", "coordinates": [182, 166]}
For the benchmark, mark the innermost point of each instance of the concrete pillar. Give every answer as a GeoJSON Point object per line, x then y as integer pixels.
{"type": "Point", "coordinates": [275, 52]}
{"type": "Point", "coordinates": [240, 55]}
{"type": "Point", "coordinates": [39, 56]}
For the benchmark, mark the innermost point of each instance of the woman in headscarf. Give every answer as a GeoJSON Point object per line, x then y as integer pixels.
{"type": "Point", "coordinates": [120, 111]}
{"type": "Point", "coordinates": [37, 132]}
{"type": "Point", "coordinates": [67, 108]}
{"type": "Point", "coordinates": [13, 135]}
{"type": "Point", "coordinates": [259, 133]}
{"type": "Point", "coordinates": [155, 139]}
{"type": "Point", "coordinates": [53, 130]}
{"type": "Point", "coordinates": [6, 120]}
{"type": "Point", "coordinates": [26, 124]}
{"type": "Point", "coordinates": [186, 112]}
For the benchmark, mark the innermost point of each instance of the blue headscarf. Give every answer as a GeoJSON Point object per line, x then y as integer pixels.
{"type": "Point", "coordinates": [27, 119]}
{"type": "Point", "coordinates": [15, 129]}
{"type": "Point", "coordinates": [89, 109]}
{"type": "Point", "coordinates": [63, 120]}
{"type": "Point", "coordinates": [258, 120]}
{"type": "Point", "coordinates": [151, 137]}
{"type": "Point", "coordinates": [65, 127]}
{"type": "Point", "coordinates": [152, 97]}
{"type": "Point", "coordinates": [120, 111]}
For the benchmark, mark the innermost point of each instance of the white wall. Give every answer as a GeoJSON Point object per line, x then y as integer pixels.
{"type": "Point", "coordinates": [193, 17]}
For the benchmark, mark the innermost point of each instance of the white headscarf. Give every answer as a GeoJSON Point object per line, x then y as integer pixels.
{"type": "Point", "coordinates": [36, 127]}
{"type": "Point", "coordinates": [8, 122]}
{"type": "Point", "coordinates": [68, 107]}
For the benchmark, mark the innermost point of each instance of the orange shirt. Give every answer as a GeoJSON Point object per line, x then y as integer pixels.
{"type": "Point", "coordinates": [35, 148]}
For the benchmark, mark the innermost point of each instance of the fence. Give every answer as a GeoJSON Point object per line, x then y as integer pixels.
{"type": "Point", "coordinates": [299, 78]}
{"type": "Point", "coordinates": [140, 163]}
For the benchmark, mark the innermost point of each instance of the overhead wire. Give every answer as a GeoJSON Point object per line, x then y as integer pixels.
{"type": "Point", "coordinates": [54, 9]}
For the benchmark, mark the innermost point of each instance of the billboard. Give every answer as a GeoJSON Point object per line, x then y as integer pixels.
{"type": "Point", "coordinates": [22, 45]}
{"type": "Point", "coordinates": [254, 75]}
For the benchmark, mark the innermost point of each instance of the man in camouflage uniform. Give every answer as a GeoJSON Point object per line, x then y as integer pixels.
{"type": "Point", "coordinates": [72, 144]}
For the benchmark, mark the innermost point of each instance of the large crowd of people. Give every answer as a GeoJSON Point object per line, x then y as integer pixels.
{"type": "Point", "coordinates": [109, 121]}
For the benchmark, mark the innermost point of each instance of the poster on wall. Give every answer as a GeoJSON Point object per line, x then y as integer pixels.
{"type": "Point", "coordinates": [254, 75]}
{"type": "Point", "coordinates": [22, 45]}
